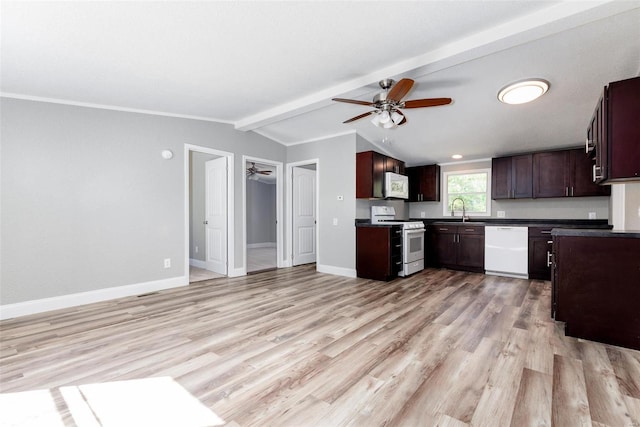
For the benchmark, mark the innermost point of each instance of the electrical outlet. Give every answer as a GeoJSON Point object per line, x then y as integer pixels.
{"type": "Point", "coordinates": [501, 214]}
{"type": "Point", "coordinates": [167, 263]}
{"type": "Point", "coordinates": [340, 197]}
{"type": "Point", "coordinates": [196, 249]}
{"type": "Point", "coordinates": [423, 214]}
{"type": "Point", "coordinates": [592, 215]}
{"type": "Point", "coordinates": [335, 221]}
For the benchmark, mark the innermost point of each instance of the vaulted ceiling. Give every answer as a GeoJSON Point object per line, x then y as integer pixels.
{"type": "Point", "coordinates": [273, 67]}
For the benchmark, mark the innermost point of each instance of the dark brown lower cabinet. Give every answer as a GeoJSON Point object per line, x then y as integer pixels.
{"type": "Point", "coordinates": [596, 287]}
{"type": "Point", "coordinates": [378, 252]}
{"type": "Point", "coordinates": [458, 247]}
{"type": "Point", "coordinates": [540, 245]}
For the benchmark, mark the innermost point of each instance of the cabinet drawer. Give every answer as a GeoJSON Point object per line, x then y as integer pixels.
{"type": "Point", "coordinates": [470, 229]}
{"type": "Point", "coordinates": [444, 229]}
{"type": "Point", "coordinates": [540, 232]}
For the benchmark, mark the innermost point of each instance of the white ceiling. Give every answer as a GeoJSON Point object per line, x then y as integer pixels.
{"type": "Point", "coordinates": [273, 67]}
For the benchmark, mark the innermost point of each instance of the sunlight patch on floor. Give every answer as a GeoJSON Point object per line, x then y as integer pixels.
{"type": "Point", "coordinates": [143, 402]}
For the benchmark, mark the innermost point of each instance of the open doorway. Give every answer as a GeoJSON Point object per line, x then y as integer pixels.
{"type": "Point", "coordinates": [208, 213]}
{"type": "Point", "coordinates": [262, 191]}
{"type": "Point", "coordinates": [302, 184]}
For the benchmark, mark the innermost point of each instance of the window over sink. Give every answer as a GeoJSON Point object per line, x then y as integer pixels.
{"type": "Point", "coordinates": [473, 187]}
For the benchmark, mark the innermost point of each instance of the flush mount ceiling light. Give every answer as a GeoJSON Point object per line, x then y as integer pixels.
{"type": "Point", "coordinates": [456, 156]}
{"type": "Point", "coordinates": [523, 91]}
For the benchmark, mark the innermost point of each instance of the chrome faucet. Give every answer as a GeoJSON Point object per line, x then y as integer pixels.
{"type": "Point", "coordinates": [464, 215]}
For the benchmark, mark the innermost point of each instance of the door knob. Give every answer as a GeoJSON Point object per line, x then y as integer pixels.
{"type": "Point", "coordinates": [205, 222]}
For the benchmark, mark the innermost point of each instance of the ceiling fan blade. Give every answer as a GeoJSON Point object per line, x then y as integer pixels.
{"type": "Point", "coordinates": [264, 172]}
{"type": "Point", "coordinates": [400, 89]}
{"type": "Point", "coordinates": [353, 119]}
{"type": "Point", "coordinates": [354, 101]}
{"type": "Point", "coordinates": [428, 102]}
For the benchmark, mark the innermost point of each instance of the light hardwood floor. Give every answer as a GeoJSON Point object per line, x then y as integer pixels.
{"type": "Point", "coordinates": [297, 347]}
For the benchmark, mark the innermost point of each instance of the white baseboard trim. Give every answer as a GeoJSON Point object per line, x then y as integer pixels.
{"type": "Point", "coordinates": [237, 272]}
{"type": "Point", "coordinates": [285, 263]}
{"type": "Point", "coordinates": [9, 311]}
{"type": "Point", "coordinates": [261, 245]}
{"type": "Point", "coordinates": [197, 263]}
{"type": "Point", "coordinates": [338, 271]}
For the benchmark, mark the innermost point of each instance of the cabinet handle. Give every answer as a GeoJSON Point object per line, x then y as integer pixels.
{"type": "Point", "coordinates": [469, 229]}
{"type": "Point", "coordinates": [398, 246]}
{"type": "Point", "coordinates": [545, 232]}
{"type": "Point", "coordinates": [399, 262]}
{"type": "Point", "coordinates": [549, 255]}
{"type": "Point", "coordinates": [596, 169]}
{"type": "Point", "coordinates": [566, 191]}
{"type": "Point", "coordinates": [571, 191]}
{"type": "Point", "coordinates": [549, 242]}
{"type": "Point", "coordinates": [443, 229]}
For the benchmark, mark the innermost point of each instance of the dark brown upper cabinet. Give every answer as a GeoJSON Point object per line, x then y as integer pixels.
{"type": "Point", "coordinates": [424, 183]}
{"type": "Point", "coordinates": [564, 173]}
{"type": "Point", "coordinates": [511, 177]}
{"type": "Point", "coordinates": [370, 169]}
{"type": "Point", "coordinates": [613, 136]}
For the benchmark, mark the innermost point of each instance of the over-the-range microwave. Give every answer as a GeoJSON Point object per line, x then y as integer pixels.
{"type": "Point", "coordinates": [396, 186]}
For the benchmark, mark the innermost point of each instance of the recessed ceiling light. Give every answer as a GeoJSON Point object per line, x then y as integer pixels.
{"type": "Point", "coordinates": [456, 156]}
{"type": "Point", "coordinates": [523, 91]}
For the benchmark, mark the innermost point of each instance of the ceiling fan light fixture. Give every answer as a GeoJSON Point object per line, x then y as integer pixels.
{"type": "Point", "coordinates": [523, 91]}
{"type": "Point", "coordinates": [376, 119]}
{"type": "Point", "coordinates": [396, 117]}
{"type": "Point", "coordinates": [385, 117]}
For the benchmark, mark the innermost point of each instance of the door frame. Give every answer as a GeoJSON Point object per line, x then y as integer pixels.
{"type": "Point", "coordinates": [230, 207]}
{"type": "Point", "coordinates": [289, 230]}
{"type": "Point", "coordinates": [280, 256]}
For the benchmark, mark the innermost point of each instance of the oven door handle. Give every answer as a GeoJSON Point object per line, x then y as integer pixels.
{"type": "Point", "coordinates": [415, 231]}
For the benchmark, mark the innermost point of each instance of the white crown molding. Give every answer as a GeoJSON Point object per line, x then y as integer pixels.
{"type": "Point", "coordinates": [110, 107]}
{"type": "Point", "coordinates": [9, 311]}
{"type": "Point", "coordinates": [461, 162]}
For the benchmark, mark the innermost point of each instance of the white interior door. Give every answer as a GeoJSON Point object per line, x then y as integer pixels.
{"type": "Point", "coordinates": [216, 215]}
{"type": "Point", "coordinates": [304, 216]}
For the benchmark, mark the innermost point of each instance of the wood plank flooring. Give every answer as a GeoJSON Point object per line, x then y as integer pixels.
{"type": "Point", "coordinates": [301, 348]}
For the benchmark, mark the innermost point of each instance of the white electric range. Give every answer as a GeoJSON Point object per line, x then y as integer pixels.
{"type": "Point", "coordinates": [412, 238]}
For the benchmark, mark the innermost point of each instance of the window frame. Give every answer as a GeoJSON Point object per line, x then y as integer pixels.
{"type": "Point", "coordinates": [445, 191]}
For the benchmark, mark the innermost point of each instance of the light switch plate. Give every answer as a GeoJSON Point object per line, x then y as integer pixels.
{"type": "Point", "coordinates": [423, 215]}
{"type": "Point", "coordinates": [501, 214]}
{"type": "Point", "coordinates": [592, 215]}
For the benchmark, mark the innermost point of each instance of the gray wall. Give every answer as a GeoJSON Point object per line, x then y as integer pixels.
{"type": "Point", "coordinates": [197, 199]}
{"type": "Point", "coordinates": [337, 176]}
{"type": "Point", "coordinates": [560, 208]}
{"type": "Point", "coordinates": [89, 203]}
{"type": "Point", "coordinates": [261, 212]}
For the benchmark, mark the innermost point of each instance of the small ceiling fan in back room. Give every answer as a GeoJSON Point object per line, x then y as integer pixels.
{"type": "Point", "coordinates": [388, 104]}
{"type": "Point", "coordinates": [253, 171]}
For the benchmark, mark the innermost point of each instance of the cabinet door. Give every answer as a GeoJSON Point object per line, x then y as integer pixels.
{"type": "Point", "coordinates": [539, 250]}
{"type": "Point", "coordinates": [623, 133]}
{"type": "Point", "coordinates": [393, 165]}
{"type": "Point", "coordinates": [600, 140]}
{"type": "Point", "coordinates": [414, 175]}
{"type": "Point", "coordinates": [373, 253]}
{"type": "Point", "coordinates": [550, 176]}
{"type": "Point", "coordinates": [581, 177]}
{"type": "Point", "coordinates": [521, 176]}
{"type": "Point", "coordinates": [444, 243]}
{"type": "Point", "coordinates": [501, 178]}
{"type": "Point", "coordinates": [471, 250]}
{"type": "Point", "coordinates": [430, 183]}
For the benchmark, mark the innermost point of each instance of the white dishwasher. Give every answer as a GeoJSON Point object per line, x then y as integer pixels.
{"type": "Point", "coordinates": [506, 251]}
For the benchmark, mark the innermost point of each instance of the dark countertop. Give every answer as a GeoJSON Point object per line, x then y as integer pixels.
{"type": "Point", "coordinates": [564, 223]}
{"type": "Point", "coordinates": [628, 234]}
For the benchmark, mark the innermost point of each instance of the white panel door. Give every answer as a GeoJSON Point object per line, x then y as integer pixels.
{"type": "Point", "coordinates": [216, 215]}
{"type": "Point", "coordinates": [304, 216]}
